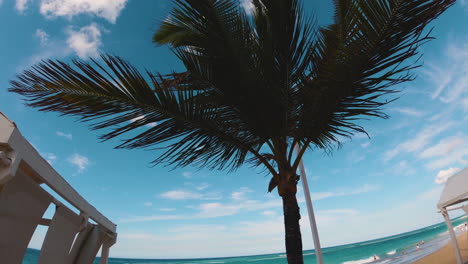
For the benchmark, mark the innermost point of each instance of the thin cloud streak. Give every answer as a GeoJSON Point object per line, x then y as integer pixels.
{"type": "Point", "coordinates": [68, 136]}
{"type": "Point", "coordinates": [362, 189]}
{"type": "Point", "coordinates": [189, 195]}
{"type": "Point", "coordinates": [444, 147]}
{"type": "Point", "coordinates": [449, 74]}
{"type": "Point", "coordinates": [419, 141]}
{"type": "Point", "coordinates": [409, 111]}
{"type": "Point", "coordinates": [239, 205]}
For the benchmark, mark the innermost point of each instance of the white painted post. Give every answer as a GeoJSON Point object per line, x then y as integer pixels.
{"type": "Point", "coordinates": [452, 236]}
{"type": "Point", "coordinates": [106, 245]}
{"type": "Point", "coordinates": [310, 210]}
{"type": "Point", "coordinates": [105, 253]}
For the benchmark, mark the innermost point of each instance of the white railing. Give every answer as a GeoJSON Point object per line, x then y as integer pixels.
{"type": "Point", "coordinates": [70, 237]}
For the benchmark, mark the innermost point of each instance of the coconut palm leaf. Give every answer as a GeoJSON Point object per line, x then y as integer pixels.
{"type": "Point", "coordinates": [117, 96]}
{"type": "Point", "coordinates": [359, 59]}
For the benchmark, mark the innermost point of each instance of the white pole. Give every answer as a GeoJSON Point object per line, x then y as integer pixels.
{"type": "Point", "coordinates": [105, 253]}
{"type": "Point", "coordinates": [310, 210]}
{"type": "Point", "coordinates": [452, 236]}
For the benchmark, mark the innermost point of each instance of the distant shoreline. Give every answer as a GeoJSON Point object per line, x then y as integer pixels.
{"type": "Point", "coordinates": [446, 254]}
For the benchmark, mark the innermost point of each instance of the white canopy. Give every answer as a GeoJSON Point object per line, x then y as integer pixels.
{"type": "Point", "coordinates": [455, 190]}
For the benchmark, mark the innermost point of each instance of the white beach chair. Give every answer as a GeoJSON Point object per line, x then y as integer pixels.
{"type": "Point", "coordinates": [70, 238]}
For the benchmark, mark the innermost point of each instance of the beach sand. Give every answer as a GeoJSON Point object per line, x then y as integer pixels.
{"type": "Point", "coordinates": [446, 255]}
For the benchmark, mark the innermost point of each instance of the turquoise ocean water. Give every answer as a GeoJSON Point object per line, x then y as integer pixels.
{"type": "Point", "coordinates": [388, 249]}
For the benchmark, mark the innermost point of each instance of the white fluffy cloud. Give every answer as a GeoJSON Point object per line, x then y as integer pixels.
{"type": "Point", "coordinates": [21, 5]}
{"type": "Point", "coordinates": [107, 9]}
{"type": "Point", "coordinates": [86, 41]}
{"type": "Point", "coordinates": [42, 36]}
{"type": "Point", "coordinates": [443, 175]}
{"type": "Point", "coordinates": [79, 161]}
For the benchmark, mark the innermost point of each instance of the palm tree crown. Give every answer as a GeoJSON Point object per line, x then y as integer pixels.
{"type": "Point", "coordinates": [254, 86]}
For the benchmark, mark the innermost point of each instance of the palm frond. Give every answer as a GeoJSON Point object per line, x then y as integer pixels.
{"type": "Point", "coordinates": [194, 23]}
{"type": "Point", "coordinates": [117, 96]}
{"type": "Point", "coordinates": [359, 59]}
{"type": "Point", "coordinates": [283, 55]}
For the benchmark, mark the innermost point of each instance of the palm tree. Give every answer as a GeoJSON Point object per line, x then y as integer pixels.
{"type": "Point", "coordinates": [254, 85]}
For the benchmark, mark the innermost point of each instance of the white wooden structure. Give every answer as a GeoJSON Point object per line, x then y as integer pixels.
{"type": "Point", "coordinates": [455, 192]}
{"type": "Point", "coordinates": [70, 238]}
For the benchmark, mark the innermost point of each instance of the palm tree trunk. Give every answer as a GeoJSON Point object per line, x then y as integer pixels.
{"type": "Point", "coordinates": [292, 228]}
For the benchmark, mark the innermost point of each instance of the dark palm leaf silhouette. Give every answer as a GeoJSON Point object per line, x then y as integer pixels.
{"type": "Point", "coordinates": [254, 86]}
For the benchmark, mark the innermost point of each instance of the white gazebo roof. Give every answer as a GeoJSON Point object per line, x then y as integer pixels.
{"type": "Point", "coordinates": [455, 190]}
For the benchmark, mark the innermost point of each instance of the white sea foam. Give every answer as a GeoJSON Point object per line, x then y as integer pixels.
{"type": "Point", "coordinates": [393, 252]}
{"type": "Point", "coordinates": [264, 259]}
{"type": "Point", "coordinates": [361, 261]}
{"type": "Point", "coordinates": [443, 233]}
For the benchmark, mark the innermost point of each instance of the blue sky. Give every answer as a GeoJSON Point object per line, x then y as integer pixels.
{"type": "Point", "coordinates": [367, 189]}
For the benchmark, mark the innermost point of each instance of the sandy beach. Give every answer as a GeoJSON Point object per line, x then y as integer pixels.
{"type": "Point", "coordinates": [446, 254]}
